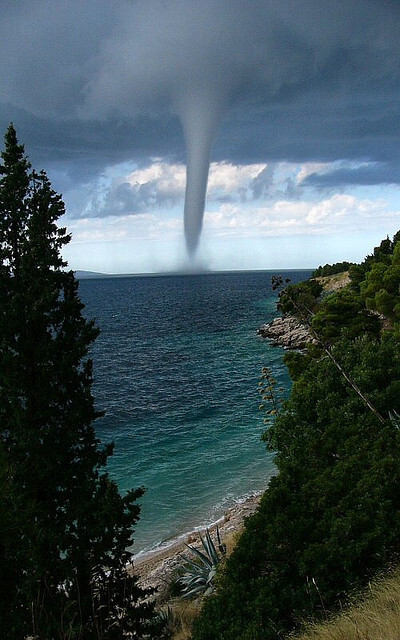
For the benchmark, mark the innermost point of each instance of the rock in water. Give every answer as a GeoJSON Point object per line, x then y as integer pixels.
{"type": "Point", "coordinates": [288, 332]}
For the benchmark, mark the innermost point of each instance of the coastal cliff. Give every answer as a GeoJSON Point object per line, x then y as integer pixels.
{"type": "Point", "coordinates": [327, 523]}
{"type": "Point", "coordinates": [286, 331]}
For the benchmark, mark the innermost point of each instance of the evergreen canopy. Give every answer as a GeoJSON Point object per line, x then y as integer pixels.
{"type": "Point", "coordinates": [330, 519]}
{"type": "Point", "coordinates": [65, 530]}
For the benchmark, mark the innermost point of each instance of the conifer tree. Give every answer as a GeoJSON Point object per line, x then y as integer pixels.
{"type": "Point", "coordinates": [65, 530]}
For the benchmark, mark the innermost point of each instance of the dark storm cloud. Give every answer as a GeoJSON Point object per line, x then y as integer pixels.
{"type": "Point", "coordinates": [377, 173]}
{"type": "Point", "coordinates": [316, 127]}
{"type": "Point", "coordinates": [91, 83]}
{"type": "Point", "coordinates": [85, 147]}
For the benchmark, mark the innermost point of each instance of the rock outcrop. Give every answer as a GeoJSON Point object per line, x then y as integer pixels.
{"type": "Point", "coordinates": [287, 332]}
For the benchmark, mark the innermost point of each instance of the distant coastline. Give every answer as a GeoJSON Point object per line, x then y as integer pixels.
{"type": "Point", "coordinates": [82, 274]}
{"type": "Point", "coordinates": [89, 274]}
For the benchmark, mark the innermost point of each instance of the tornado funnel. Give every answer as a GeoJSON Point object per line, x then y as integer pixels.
{"type": "Point", "coordinates": [200, 117]}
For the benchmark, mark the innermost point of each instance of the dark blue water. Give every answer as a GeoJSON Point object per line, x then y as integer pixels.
{"type": "Point", "coordinates": [177, 366]}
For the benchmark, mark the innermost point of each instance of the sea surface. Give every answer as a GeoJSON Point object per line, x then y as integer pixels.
{"type": "Point", "coordinates": [176, 367]}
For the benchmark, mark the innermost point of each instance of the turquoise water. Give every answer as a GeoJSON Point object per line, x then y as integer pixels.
{"type": "Point", "coordinates": [177, 366]}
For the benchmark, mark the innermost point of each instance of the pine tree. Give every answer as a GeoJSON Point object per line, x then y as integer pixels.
{"type": "Point", "coordinates": [65, 530]}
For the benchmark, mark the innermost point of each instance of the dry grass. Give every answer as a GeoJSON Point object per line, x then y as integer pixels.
{"type": "Point", "coordinates": [231, 540]}
{"type": "Point", "coordinates": [184, 612]}
{"type": "Point", "coordinates": [376, 617]}
{"type": "Point", "coordinates": [334, 282]}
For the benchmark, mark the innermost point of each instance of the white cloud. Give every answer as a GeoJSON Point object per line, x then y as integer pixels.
{"type": "Point", "coordinates": [229, 181]}
{"type": "Point", "coordinates": [339, 213]}
{"type": "Point", "coordinates": [167, 180]}
{"type": "Point", "coordinates": [122, 191]}
{"type": "Point", "coordinates": [285, 233]}
{"type": "Point", "coordinates": [334, 208]}
{"type": "Point", "coordinates": [271, 189]}
{"type": "Point", "coordinates": [336, 214]}
{"type": "Point", "coordinates": [125, 228]}
{"type": "Point", "coordinates": [133, 220]}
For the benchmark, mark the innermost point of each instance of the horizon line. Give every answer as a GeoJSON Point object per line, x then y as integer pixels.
{"type": "Point", "coordinates": [84, 273]}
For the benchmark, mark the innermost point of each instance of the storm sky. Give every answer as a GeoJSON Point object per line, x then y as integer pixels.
{"type": "Point", "coordinates": [294, 102]}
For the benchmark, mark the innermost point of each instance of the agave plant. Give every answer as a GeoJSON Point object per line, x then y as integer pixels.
{"type": "Point", "coordinates": [200, 569]}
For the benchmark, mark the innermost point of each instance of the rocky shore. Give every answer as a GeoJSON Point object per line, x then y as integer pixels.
{"type": "Point", "coordinates": [287, 332]}
{"type": "Point", "coordinates": [156, 568]}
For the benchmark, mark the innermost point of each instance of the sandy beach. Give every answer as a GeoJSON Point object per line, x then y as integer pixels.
{"type": "Point", "coordinates": [156, 567]}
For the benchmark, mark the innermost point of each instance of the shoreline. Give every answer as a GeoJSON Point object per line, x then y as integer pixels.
{"type": "Point", "coordinates": [155, 567]}
{"type": "Point", "coordinates": [288, 332]}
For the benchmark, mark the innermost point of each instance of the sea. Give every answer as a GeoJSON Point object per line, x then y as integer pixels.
{"type": "Point", "coordinates": [176, 371]}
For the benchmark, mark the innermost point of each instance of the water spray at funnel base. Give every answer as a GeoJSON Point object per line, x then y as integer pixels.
{"type": "Point", "coordinates": [200, 118]}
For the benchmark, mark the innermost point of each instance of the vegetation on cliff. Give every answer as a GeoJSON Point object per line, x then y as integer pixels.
{"type": "Point", "coordinates": [331, 269]}
{"type": "Point", "coordinates": [330, 519]}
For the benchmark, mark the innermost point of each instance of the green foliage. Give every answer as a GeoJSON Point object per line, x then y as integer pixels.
{"type": "Point", "coordinates": [381, 287]}
{"type": "Point", "coordinates": [296, 362]}
{"type": "Point", "coordinates": [199, 571]}
{"type": "Point", "coordinates": [330, 519]}
{"type": "Point", "coordinates": [340, 311]}
{"type": "Point", "coordinates": [271, 397]}
{"type": "Point", "coordinates": [357, 274]}
{"type": "Point", "coordinates": [299, 299]}
{"type": "Point", "coordinates": [381, 255]}
{"type": "Point", "coordinates": [66, 531]}
{"type": "Point", "coordinates": [331, 269]}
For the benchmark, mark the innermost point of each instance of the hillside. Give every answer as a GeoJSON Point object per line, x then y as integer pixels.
{"type": "Point", "coordinates": [376, 616]}
{"type": "Point", "coordinates": [334, 282]}
{"type": "Point", "coordinates": [330, 519]}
